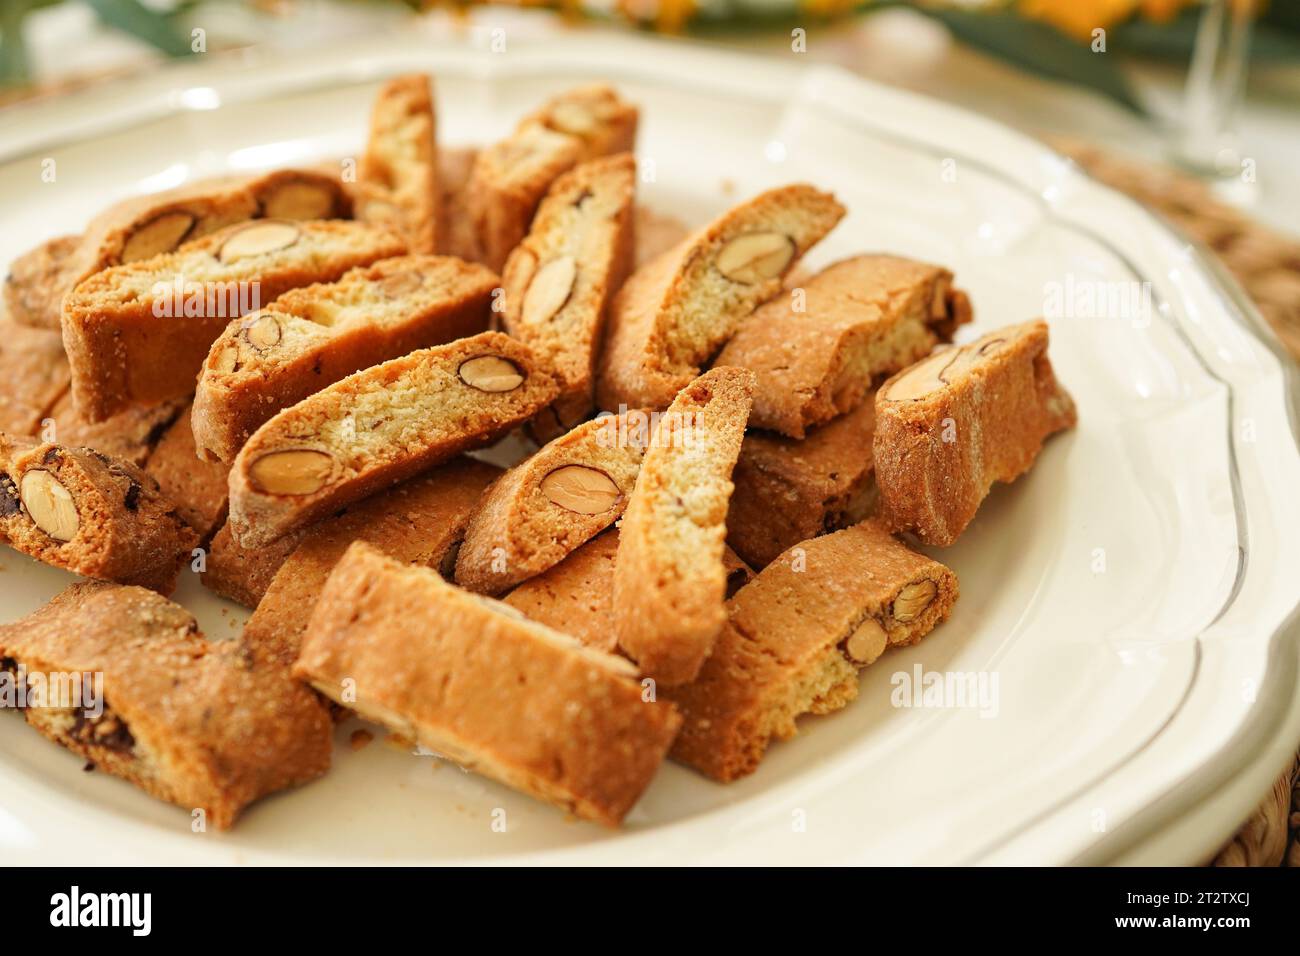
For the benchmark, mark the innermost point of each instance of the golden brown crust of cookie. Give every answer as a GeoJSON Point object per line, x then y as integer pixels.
{"type": "Point", "coordinates": [818, 347]}
{"type": "Point", "coordinates": [122, 353]}
{"type": "Point", "coordinates": [198, 488]}
{"type": "Point", "coordinates": [603, 123]}
{"type": "Point", "coordinates": [576, 595]}
{"type": "Point", "coordinates": [418, 522]}
{"type": "Point", "coordinates": [240, 574]}
{"type": "Point", "coordinates": [131, 435]}
{"type": "Point", "coordinates": [35, 374]}
{"type": "Point", "coordinates": [187, 720]}
{"type": "Point", "coordinates": [789, 490]}
{"type": "Point", "coordinates": [37, 282]}
{"type": "Point", "coordinates": [670, 583]}
{"type": "Point", "coordinates": [953, 424]}
{"type": "Point", "coordinates": [796, 637]}
{"type": "Point", "coordinates": [78, 509]}
{"type": "Point", "coordinates": [470, 678]}
{"type": "Point", "coordinates": [381, 426]}
{"type": "Point", "coordinates": [549, 504]}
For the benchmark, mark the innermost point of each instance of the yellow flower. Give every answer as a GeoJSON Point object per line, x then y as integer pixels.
{"type": "Point", "coordinates": [828, 8]}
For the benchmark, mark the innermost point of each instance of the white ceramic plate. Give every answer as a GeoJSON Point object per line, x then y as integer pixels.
{"type": "Point", "coordinates": [1131, 595]}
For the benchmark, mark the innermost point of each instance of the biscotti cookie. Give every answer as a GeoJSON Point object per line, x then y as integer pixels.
{"type": "Point", "coordinates": [187, 720]}
{"type": "Point", "coordinates": [198, 488]}
{"type": "Point", "coordinates": [669, 582]}
{"type": "Point", "coordinates": [472, 679]}
{"type": "Point", "coordinates": [243, 575]}
{"type": "Point", "coordinates": [796, 637]}
{"type": "Point", "coordinates": [35, 374]}
{"type": "Point", "coordinates": [550, 503]}
{"type": "Point", "coordinates": [421, 521]}
{"type": "Point", "coordinates": [674, 312]}
{"type": "Point", "coordinates": [311, 337]}
{"type": "Point", "coordinates": [145, 226]}
{"type": "Point", "coordinates": [816, 349]}
{"type": "Point", "coordinates": [559, 280]}
{"type": "Point", "coordinates": [38, 280]}
{"type": "Point", "coordinates": [131, 435]}
{"type": "Point", "coordinates": [595, 114]}
{"type": "Point", "coordinates": [789, 490]}
{"type": "Point", "coordinates": [78, 509]}
{"type": "Point", "coordinates": [575, 595]}
{"type": "Point", "coordinates": [380, 426]}
{"type": "Point", "coordinates": [950, 426]}
{"type": "Point", "coordinates": [398, 182]}
{"type": "Point", "coordinates": [139, 333]}
{"type": "Point", "coordinates": [509, 180]}
{"type": "Point", "coordinates": [457, 236]}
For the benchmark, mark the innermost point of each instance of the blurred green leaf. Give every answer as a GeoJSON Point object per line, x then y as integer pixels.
{"type": "Point", "coordinates": [1270, 39]}
{"type": "Point", "coordinates": [152, 27]}
{"type": "Point", "coordinates": [1040, 49]}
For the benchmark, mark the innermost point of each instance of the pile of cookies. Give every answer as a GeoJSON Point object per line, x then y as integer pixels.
{"type": "Point", "coordinates": [275, 381]}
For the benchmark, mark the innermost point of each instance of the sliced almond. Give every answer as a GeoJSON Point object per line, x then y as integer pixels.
{"type": "Point", "coordinates": [581, 489]}
{"type": "Point", "coordinates": [401, 283]}
{"type": "Point", "coordinates": [295, 471]}
{"type": "Point", "coordinates": [570, 117]}
{"type": "Point", "coordinates": [921, 379]}
{"type": "Point", "coordinates": [867, 643]}
{"type": "Point", "coordinates": [259, 238]}
{"type": "Point", "coordinates": [491, 373]}
{"type": "Point", "coordinates": [755, 257]}
{"type": "Point", "coordinates": [227, 359]}
{"type": "Point", "coordinates": [262, 332]}
{"type": "Point", "coordinates": [299, 200]}
{"type": "Point", "coordinates": [157, 236]}
{"type": "Point", "coordinates": [50, 505]}
{"type": "Point", "coordinates": [549, 290]}
{"type": "Point", "coordinates": [912, 600]}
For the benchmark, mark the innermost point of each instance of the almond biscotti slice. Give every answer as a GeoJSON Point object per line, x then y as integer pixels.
{"type": "Point", "coordinates": [421, 521]}
{"type": "Point", "coordinates": [472, 679]}
{"type": "Point", "coordinates": [789, 490]}
{"type": "Point", "coordinates": [595, 114]}
{"type": "Point", "coordinates": [508, 182]}
{"type": "Point", "coordinates": [550, 503]}
{"type": "Point", "coordinates": [312, 337]}
{"type": "Point", "coordinates": [139, 333]}
{"type": "Point", "coordinates": [558, 282]}
{"type": "Point", "coordinates": [398, 182]}
{"type": "Point", "coordinates": [816, 349]}
{"type": "Point", "coordinates": [380, 426]}
{"type": "Point", "coordinates": [145, 226]}
{"type": "Point", "coordinates": [950, 426]}
{"type": "Point", "coordinates": [78, 509]}
{"type": "Point", "coordinates": [198, 488]}
{"type": "Point", "coordinates": [674, 312]}
{"type": "Point", "coordinates": [796, 637]}
{"type": "Point", "coordinates": [151, 700]}
{"type": "Point", "coordinates": [243, 575]}
{"type": "Point", "coordinates": [670, 582]}
{"type": "Point", "coordinates": [576, 595]}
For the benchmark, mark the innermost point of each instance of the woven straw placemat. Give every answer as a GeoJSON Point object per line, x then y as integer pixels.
{"type": "Point", "coordinates": [1267, 264]}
